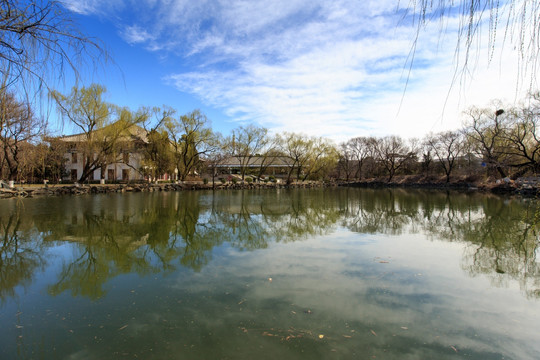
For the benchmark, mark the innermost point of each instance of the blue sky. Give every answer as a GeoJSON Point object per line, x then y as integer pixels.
{"type": "Point", "coordinates": [327, 68]}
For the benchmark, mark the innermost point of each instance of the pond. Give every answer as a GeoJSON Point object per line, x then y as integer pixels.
{"type": "Point", "coordinates": [270, 274]}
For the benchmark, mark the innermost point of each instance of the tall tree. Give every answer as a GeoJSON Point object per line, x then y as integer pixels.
{"type": "Point", "coordinates": [522, 136]}
{"type": "Point", "coordinates": [297, 148]}
{"type": "Point", "coordinates": [322, 158]}
{"type": "Point", "coordinates": [346, 160]}
{"type": "Point", "coordinates": [362, 149]}
{"type": "Point", "coordinates": [484, 128]}
{"type": "Point", "coordinates": [427, 158]}
{"type": "Point", "coordinates": [447, 147]}
{"type": "Point", "coordinates": [100, 135]}
{"type": "Point", "coordinates": [268, 155]}
{"type": "Point", "coordinates": [191, 138]}
{"type": "Point", "coordinates": [157, 154]}
{"type": "Point", "coordinates": [216, 156]}
{"type": "Point", "coordinates": [50, 160]}
{"type": "Point", "coordinates": [393, 153]}
{"type": "Point", "coordinates": [18, 125]}
{"type": "Point", "coordinates": [309, 157]}
{"type": "Point", "coordinates": [247, 142]}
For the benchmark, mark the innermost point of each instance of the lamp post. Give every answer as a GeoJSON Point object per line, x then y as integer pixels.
{"type": "Point", "coordinates": [498, 113]}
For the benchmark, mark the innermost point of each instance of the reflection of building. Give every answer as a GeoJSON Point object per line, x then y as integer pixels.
{"type": "Point", "coordinates": [124, 165]}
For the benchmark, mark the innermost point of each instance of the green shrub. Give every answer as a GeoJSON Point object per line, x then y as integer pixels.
{"type": "Point", "coordinates": [272, 178]}
{"type": "Point", "coordinates": [205, 181]}
{"type": "Point", "coordinates": [222, 180]}
{"type": "Point", "coordinates": [234, 180]}
{"type": "Point", "coordinates": [249, 179]}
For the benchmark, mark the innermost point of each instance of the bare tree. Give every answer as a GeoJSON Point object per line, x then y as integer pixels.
{"type": "Point", "coordinates": [216, 157]}
{"type": "Point", "coordinates": [522, 137]}
{"type": "Point", "coordinates": [246, 143]}
{"type": "Point", "coordinates": [50, 160]}
{"type": "Point", "coordinates": [362, 148]}
{"type": "Point", "coordinates": [39, 42]}
{"type": "Point", "coordinates": [268, 156]}
{"type": "Point", "coordinates": [507, 139]}
{"type": "Point", "coordinates": [393, 153]}
{"type": "Point", "coordinates": [297, 148]}
{"type": "Point", "coordinates": [346, 160]}
{"type": "Point", "coordinates": [447, 147]}
{"type": "Point", "coordinates": [485, 129]}
{"type": "Point", "coordinates": [18, 125]}
{"type": "Point", "coordinates": [427, 158]}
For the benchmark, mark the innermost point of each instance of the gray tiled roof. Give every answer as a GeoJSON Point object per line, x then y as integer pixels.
{"type": "Point", "coordinates": [257, 161]}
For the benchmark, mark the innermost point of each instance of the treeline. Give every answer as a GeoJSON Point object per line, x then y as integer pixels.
{"type": "Point", "coordinates": [40, 43]}
{"type": "Point", "coordinates": [168, 143]}
{"type": "Point", "coordinates": [499, 141]}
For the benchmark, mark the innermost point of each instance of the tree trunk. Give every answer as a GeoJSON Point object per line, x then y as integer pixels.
{"type": "Point", "coordinates": [501, 171]}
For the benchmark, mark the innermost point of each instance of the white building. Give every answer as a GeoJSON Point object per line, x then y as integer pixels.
{"type": "Point", "coordinates": [127, 161]}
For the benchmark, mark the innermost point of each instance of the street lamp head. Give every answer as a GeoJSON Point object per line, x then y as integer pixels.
{"type": "Point", "coordinates": [499, 112]}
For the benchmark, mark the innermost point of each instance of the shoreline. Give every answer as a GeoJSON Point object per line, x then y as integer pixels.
{"type": "Point", "coordinates": [82, 189]}
{"type": "Point", "coordinates": [526, 188]}
{"type": "Point", "coordinates": [498, 187]}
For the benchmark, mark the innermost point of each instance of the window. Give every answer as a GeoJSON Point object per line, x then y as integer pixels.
{"type": "Point", "coordinates": [74, 158]}
{"type": "Point", "coordinates": [125, 174]}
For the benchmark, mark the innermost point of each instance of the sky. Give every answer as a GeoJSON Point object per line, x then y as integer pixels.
{"type": "Point", "coordinates": [337, 69]}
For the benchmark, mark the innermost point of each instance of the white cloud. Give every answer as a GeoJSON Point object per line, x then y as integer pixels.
{"type": "Point", "coordinates": [90, 7]}
{"type": "Point", "coordinates": [336, 68]}
{"type": "Point", "coordinates": [80, 6]}
{"type": "Point", "coordinates": [135, 35]}
{"type": "Point", "coordinates": [322, 87]}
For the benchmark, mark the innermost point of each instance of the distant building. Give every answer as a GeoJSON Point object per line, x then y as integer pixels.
{"type": "Point", "coordinates": [127, 162]}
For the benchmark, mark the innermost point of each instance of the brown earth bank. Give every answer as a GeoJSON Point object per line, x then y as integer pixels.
{"type": "Point", "coordinates": [529, 187]}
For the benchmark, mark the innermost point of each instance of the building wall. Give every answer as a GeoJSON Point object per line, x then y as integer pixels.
{"type": "Point", "coordinates": [118, 171]}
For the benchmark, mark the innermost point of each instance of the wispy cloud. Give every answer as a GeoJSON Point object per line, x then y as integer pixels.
{"type": "Point", "coordinates": [317, 75]}
{"type": "Point", "coordinates": [135, 35]}
{"type": "Point", "coordinates": [336, 68]}
{"type": "Point", "coordinates": [92, 7]}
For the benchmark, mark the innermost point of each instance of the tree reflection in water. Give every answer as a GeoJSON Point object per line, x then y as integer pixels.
{"type": "Point", "coordinates": [155, 233]}
{"type": "Point", "coordinates": [21, 253]}
{"type": "Point", "coordinates": [500, 234]}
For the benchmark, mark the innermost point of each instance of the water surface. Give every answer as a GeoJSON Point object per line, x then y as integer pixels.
{"type": "Point", "coordinates": [296, 274]}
